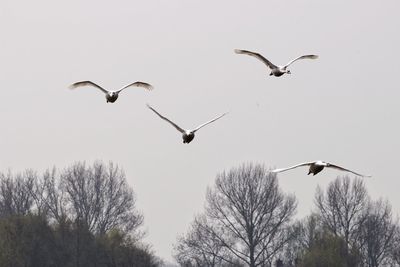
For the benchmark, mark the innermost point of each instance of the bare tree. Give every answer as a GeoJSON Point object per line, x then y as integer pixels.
{"type": "Point", "coordinates": [15, 193]}
{"type": "Point", "coordinates": [247, 203]}
{"type": "Point", "coordinates": [342, 208]}
{"type": "Point", "coordinates": [100, 197]}
{"type": "Point", "coordinates": [377, 234]}
{"type": "Point", "coordinates": [395, 249]}
{"type": "Point", "coordinates": [82, 216]}
{"type": "Point", "coordinates": [53, 195]}
{"type": "Point", "coordinates": [200, 247]}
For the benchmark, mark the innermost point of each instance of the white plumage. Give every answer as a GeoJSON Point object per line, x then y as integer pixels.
{"type": "Point", "coordinates": [111, 96]}
{"type": "Point", "coordinates": [187, 135]}
{"type": "Point", "coordinates": [275, 70]}
{"type": "Point", "coordinates": [317, 166]}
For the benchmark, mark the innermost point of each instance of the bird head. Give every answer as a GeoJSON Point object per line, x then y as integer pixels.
{"type": "Point", "coordinates": [288, 72]}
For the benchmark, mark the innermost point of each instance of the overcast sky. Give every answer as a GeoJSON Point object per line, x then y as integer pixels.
{"type": "Point", "coordinates": [342, 108]}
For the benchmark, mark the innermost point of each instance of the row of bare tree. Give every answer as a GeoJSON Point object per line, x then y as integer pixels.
{"type": "Point", "coordinates": [248, 221]}
{"type": "Point", "coordinates": [87, 216]}
{"type": "Point", "coordinates": [87, 212]}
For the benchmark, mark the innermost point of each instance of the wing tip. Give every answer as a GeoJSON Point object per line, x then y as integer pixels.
{"type": "Point", "coordinates": [238, 51]}
{"type": "Point", "coordinates": [82, 83]}
{"type": "Point", "coordinates": [144, 85]}
{"type": "Point", "coordinates": [148, 86]}
{"type": "Point", "coordinates": [73, 86]}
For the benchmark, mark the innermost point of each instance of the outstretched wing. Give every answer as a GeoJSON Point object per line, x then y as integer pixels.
{"type": "Point", "coordinates": [346, 170]}
{"type": "Point", "coordinates": [144, 85]}
{"type": "Point", "coordinates": [84, 83]}
{"type": "Point", "coordinates": [208, 122]}
{"type": "Point", "coordinates": [295, 166]}
{"type": "Point", "coordinates": [256, 55]}
{"type": "Point", "coordinates": [301, 57]}
{"type": "Point", "coordinates": [166, 119]}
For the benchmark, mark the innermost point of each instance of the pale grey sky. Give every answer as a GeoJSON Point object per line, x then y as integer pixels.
{"type": "Point", "coordinates": [341, 108]}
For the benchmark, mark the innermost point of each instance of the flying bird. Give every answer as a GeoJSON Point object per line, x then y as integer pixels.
{"type": "Point", "coordinates": [275, 70]}
{"type": "Point", "coordinates": [187, 135]}
{"type": "Point", "coordinates": [111, 96]}
{"type": "Point", "coordinates": [317, 166]}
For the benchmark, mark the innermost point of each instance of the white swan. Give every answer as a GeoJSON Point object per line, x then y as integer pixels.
{"type": "Point", "coordinates": [317, 166]}
{"type": "Point", "coordinates": [187, 135]}
{"type": "Point", "coordinates": [275, 70]}
{"type": "Point", "coordinates": [111, 96]}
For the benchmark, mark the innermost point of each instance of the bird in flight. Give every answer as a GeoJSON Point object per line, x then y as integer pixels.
{"type": "Point", "coordinates": [111, 96]}
{"type": "Point", "coordinates": [317, 166]}
{"type": "Point", "coordinates": [187, 135]}
{"type": "Point", "coordinates": [275, 70]}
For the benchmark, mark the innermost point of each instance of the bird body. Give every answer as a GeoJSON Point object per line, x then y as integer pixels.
{"type": "Point", "coordinates": [317, 166]}
{"type": "Point", "coordinates": [111, 96]}
{"type": "Point", "coordinates": [187, 135]}
{"type": "Point", "coordinates": [276, 71]}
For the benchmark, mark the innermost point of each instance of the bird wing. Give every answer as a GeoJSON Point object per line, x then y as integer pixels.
{"type": "Point", "coordinates": [164, 118]}
{"type": "Point", "coordinates": [256, 55]}
{"type": "Point", "coordinates": [295, 166]}
{"type": "Point", "coordinates": [84, 83]}
{"type": "Point", "coordinates": [343, 169]}
{"type": "Point", "coordinates": [144, 85]}
{"type": "Point", "coordinates": [301, 57]}
{"type": "Point", "coordinates": [208, 122]}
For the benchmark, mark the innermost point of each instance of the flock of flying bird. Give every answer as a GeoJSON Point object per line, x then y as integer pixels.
{"type": "Point", "coordinates": [188, 135]}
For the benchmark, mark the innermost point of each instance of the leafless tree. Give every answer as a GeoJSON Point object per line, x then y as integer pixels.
{"type": "Point", "coordinates": [15, 193]}
{"type": "Point", "coordinates": [395, 250]}
{"type": "Point", "coordinates": [342, 208]}
{"type": "Point", "coordinates": [200, 247]}
{"type": "Point", "coordinates": [247, 203]}
{"type": "Point", "coordinates": [377, 234]}
{"type": "Point", "coordinates": [53, 196]}
{"type": "Point", "coordinates": [100, 197]}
